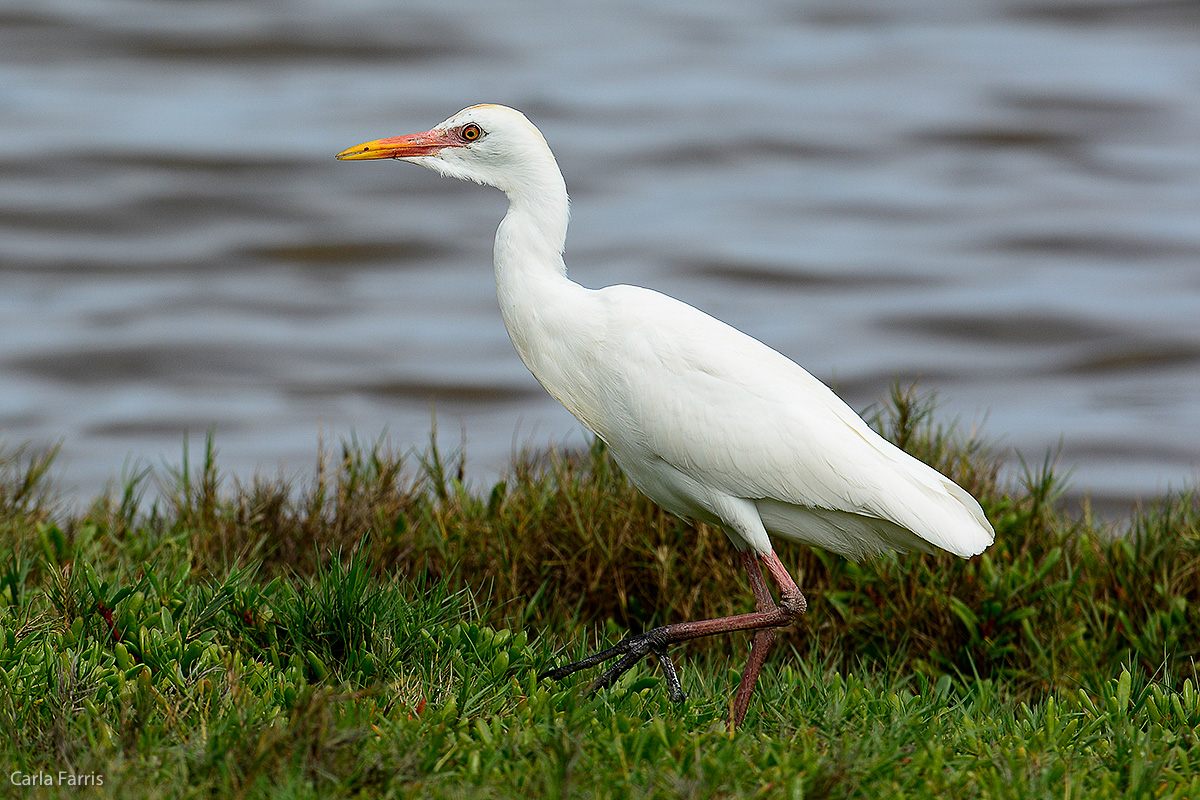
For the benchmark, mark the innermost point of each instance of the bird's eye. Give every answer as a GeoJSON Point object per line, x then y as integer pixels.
{"type": "Point", "coordinates": [471, 132]}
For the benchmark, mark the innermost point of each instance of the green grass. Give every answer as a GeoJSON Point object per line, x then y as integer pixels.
{"type": "Point", "coordinates": [378, 632]}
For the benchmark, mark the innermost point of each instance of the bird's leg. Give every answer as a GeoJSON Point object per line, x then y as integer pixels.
{"type": "Point", "coordinates": [763, 639]}
{"type": "Point", "coordinates": [632, 649]}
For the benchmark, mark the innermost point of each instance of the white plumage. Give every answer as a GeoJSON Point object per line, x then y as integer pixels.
{"type": "Point", "coordinates": [707, 421]}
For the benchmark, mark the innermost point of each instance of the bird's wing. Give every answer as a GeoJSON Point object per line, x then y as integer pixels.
{"type": "Point", "coordinates": [735, 415]}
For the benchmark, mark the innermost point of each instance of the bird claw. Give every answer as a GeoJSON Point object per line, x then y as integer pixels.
{"type": "Point", "coordinates": [674, 687]}
{"type": "Point", "coordinates": [628, 652]}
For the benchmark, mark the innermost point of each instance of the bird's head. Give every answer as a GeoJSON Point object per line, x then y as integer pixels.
{"type": "Point", "coordinates": [489, 144]}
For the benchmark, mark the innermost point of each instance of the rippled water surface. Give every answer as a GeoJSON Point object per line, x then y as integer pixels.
{"type": "Point", "coordinates": [1001, 198]}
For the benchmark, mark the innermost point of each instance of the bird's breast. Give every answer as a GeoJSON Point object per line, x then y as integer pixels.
{"type": "Point", "coordinates": [559, 337]}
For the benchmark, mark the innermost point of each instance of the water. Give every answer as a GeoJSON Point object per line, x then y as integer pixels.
{"type": "Point", "coordinates": [999, 198]}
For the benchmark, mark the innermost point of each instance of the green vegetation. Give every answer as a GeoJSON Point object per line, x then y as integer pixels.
{"type": "Point", "coordinates": [378, 633]}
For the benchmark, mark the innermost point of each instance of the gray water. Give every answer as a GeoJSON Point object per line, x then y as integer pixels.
{"type": "Point", "coordinates": [1000, 198]}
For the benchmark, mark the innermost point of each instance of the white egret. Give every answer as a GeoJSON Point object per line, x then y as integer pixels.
{"type": "Point", "coordinates": [708, 422]}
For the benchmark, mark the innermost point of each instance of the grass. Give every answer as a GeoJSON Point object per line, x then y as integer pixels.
{"type": "Point", "coordinates": [378, 632]}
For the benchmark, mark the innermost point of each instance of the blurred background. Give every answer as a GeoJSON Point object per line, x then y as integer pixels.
{"type": "Point", "coordinates": [1001, 199]}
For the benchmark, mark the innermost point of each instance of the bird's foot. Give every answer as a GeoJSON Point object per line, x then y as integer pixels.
{"type": "Point", "coordinates": [628, 652]}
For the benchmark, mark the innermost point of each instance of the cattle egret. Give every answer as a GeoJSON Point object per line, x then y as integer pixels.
{"type": "Point", "coordinates": [708, 422]}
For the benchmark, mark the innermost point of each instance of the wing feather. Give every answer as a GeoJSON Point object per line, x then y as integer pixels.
{"type": "Point", "coordinates": [736, 416]}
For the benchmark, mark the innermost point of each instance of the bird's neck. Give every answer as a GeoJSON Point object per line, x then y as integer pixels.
{"type": "Point", "coordinates": [530, 239]}
{"type": "Point", "coordinates": [531, 279]}
{"type": "Point", "coordinates": [532, 235]}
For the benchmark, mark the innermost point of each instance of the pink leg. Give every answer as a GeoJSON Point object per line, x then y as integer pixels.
{"type": "Point", "coordinates": [762, 597]}
{"type": "Point", "coordinates": [758, 655]}
{"type": "Point", "coordinates": [759, 647]}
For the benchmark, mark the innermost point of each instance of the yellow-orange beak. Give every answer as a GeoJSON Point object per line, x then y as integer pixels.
{"type": "Point", "coordinates": [411, 146]}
